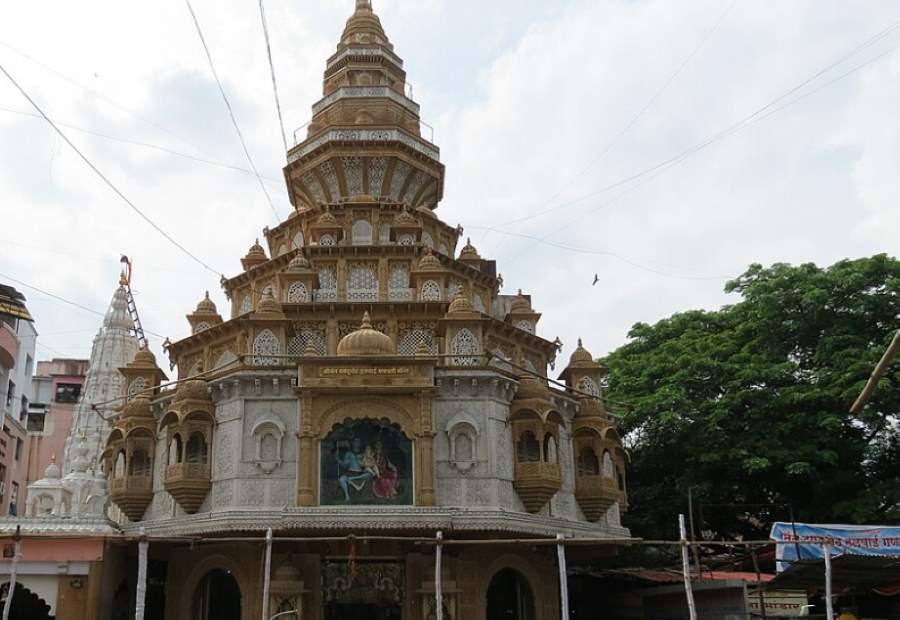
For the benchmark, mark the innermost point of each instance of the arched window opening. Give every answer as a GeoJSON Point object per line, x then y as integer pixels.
{"type": "Point", "coordinates": [362, 233]}
{"type": "Point", "coordinates": [550, 452]}
{"type": "Point", "coordinates": [297, 293]}
{"type": "Point", "coordinates": [609, 468]}
{"type": "Point", "coordinates": [509, 597]}
{"type": "Point", "coordinates": [464, 348]}
{"type": "Point", "coordinates": [25, 604]}
{"type": "Point", "coordinates": [197, 450]}
{"type": "Point", "coordinates": [119, 471]}
{"type": "Point", "coordinates": [176, 454]}
{"type": "Point", "coordinates": [363, 283]}
{"type": "Point", "coordinates": [528, 450]}
{"type": "Point", "coordinates": [589, 386]}
{"type": "Point", "coordinates": [588, 463]}
{"type": "Point", "coordinates": [140, 463]}
{"type": "Point", "coordinates": [266, 348]}
{"type": "Point", "coordinates": [384, 235]}
{"type": "Point", "coordinates": [217, 597]}
{"type": "Point", "coordinates": [268, 447]}
{"type": "Point", "coordinates": [427, 240]}
{"type": "Point", "coordinates": [431, 291]}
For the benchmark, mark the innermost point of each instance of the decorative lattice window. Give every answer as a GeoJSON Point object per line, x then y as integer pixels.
{"type": "Point", "coordinates": [137, 385]}
{"type": "Point", "coordinates": [525, 326]}
{"type": "Point", "coordinates": [431, 291]}
{"type": "Point", "coordinates": [326, 240]}
{"type": "Point", "coordinates": [384, 235]}
{"type": "Point", "coordinates": [427, 240]}
{"type": "Point", "coordinates": [305, 335]}
{"type": "Point", "coordinates": [246, 305]}
{"type": "Point", "coordinates": [406, 239]}
{"type": "Point", "coordinates": [202, 326]}
{"type": "Point", "coordinates": [442, 248]}
{"type": "Point", "coordinates": [464, 348]}
{"type": "Point", "coordinates": [297, 241]}
{"type": "Point", "coordinates": [412, 339]}
{"type": "Point", "coordinates": [297, 293]}
{"type": "Point", "coordinates": [363, 283]}
{"type": "Point", "coordinates": [398, 283]}
{"type": "Point", "coordinates": [266, 347]}
{"type": "Point", "coordinates": [377, 170]}
{"type": "Point", "coordinates": [327, 284]}
{"type": "Point", "coordinates": [362, 233]}
{"type": "Point", "coordinates": [353, 175]}
{"type": "Point", "coordinates": [589, 386]}
{"type": "Point", "coordinates": [478, 304]}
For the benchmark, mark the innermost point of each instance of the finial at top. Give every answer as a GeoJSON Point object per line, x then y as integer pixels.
{"type": "Point", "coordinates": [579, 343]}
{"type": "Point", "coordinates": [366, 320]}
{"type": "Point", "coordinates": [363, 4]}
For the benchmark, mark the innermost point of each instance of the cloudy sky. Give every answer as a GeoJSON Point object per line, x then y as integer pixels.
{"type": "Point", "coordinates": [574, 114]}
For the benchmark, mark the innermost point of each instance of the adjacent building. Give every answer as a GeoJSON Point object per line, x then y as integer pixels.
{"type": "Point", "coordinates": [18, 340]}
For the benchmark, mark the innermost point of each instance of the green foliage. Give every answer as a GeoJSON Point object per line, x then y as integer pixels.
{"type": "Point", "coordinates": [750, 404]}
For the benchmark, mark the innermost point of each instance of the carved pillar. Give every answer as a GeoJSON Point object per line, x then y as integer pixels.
{"type": "Point", "coordinates": [342, 278]}
{"type": "Point", "coordinates": [383, 275]}
{"type": "Point", "coordinates": [425, 463]}
{"type": "Point", "coordinates": [331, 334]}
{"type": "Point", "coordinates": [306, 492]}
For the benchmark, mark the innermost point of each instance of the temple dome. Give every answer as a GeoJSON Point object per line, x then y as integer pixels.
{"type": "Point", "coordinates": [327, 220]}
{"type": "Point", "coordinates": [520, 304]}
{"type": "Point", "coordinates": [366, 341]}
{"type": "Point", "coordinates": [52, 471]}
{"type": "Point", "coordinates": [145, 358]}
{"type": "Point", "coordinates": [430, 262]}
{"type": "Point", "coordinates": [469, 253]}
{"type": "Point", "coordinates": [581, 355]}
{"type": "Point", "coordinates": [256, 252]}
{"type": "Point", "coordinates": [192, 389]}
{"type": "Point", "coordinates": [267, 304]}
{"type": "Point", "coordinates": [461, 306]}
{"type": "Point", "coordinates": [406, 219]}
{"type": "Point", "coordinates": [299, 264]}
{"type": "Point", "coordinates": [206, 306]}
{"type": "Point", "coordinates": [137, 407]}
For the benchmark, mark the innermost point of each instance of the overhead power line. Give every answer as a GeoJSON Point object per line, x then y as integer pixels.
{"type": "Point", "coordinates": [74, 304]}
{"type": "Point", "coordinates": [102, 176]}
{"type": "Point", "coordinates": [265, 26]}
{"type": "Point", "coordinates": [234, 122]}
{"type": "Point", "coordinates": [148, 145]}
{"type": "Point", "coordinates": [641, 178]}
{"type": "Point", "coordinates": [740, 124]}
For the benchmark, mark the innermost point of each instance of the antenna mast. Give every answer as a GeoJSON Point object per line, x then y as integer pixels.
{"type": "Point", "coordinates": [132, 308]}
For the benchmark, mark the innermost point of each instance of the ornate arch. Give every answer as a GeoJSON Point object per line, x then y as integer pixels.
{"type": "Point", "coordinates": [521, 566]}
{"type": "Point", "coordinates": [361, 407]}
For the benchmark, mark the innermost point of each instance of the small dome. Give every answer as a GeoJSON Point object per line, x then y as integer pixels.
{"type": "Point", "coordinates": [52, 471]}
{"type": "Point", "coordinates": [299, 264]}
{"type": "Point", "coordinates": [520, 304]}
{"type": "Point", "coordinates": [460, 306]}
{"type": "Point", "coordinates": [137, 407]}
{"type": "Point", "coordinates": [267, 304]}
{"type": "Point", "coordinates": [405, 219]}
{"type": "Point", "coordinates": [206, 306]}
{"type": "Point", "coordinates": [192, 389]}
{"type": "Point", "coordinates": [469, 252]}
{"type": "Point", "coordinates": [429, 262]}
{"type": "Point", "coordinates": [532, 387]}
{"type": "Point", "coordinates": [581, 355]}
{"type": "Point", "coordinates": [256, 252]}
{"type": "Point", "coordinates": [144, 358]}
{"type": "Point", "coordinates": [287, 572]}
{"type": "Point", "coordinates": [366, 341]}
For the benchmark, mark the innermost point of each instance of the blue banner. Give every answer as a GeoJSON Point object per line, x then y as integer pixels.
{"type": "Point", "coordinates": [873, 540]}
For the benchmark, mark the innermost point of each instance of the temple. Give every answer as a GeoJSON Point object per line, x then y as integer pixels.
{"type": "Point", "coordinates": [368, 380]}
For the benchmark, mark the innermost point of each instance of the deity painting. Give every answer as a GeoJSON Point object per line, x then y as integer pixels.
{"type": "Point", "coordinates": [366, 462]}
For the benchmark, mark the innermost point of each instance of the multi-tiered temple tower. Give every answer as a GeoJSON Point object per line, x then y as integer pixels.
{"type": "Point", "coordinates": [368, 378]}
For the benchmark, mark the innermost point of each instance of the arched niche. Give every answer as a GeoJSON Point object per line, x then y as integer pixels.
{"type": "Point", "coordinates": [508, 592]}
{"type": "Point", "coordinates": [26, 605]}
{"type": "Point", "coordinates": [268, 443]}
{"type": "Point", "coordinates": [224, 563]}
{"type": "Point", "coordinates": [463, 435]}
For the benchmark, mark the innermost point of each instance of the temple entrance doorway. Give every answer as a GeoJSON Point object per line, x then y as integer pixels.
{"type": "Point", "coordinates": [217, 597]}
{"type": "Point", "coordinates": [26, 605]}
{"type": "Point", "coordinates": [363, 590]}
{"type": "Point", "coordinates": [509, 597]}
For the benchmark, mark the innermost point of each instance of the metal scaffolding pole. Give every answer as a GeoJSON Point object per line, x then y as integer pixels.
{"type": "Point", "coordinates": [141, 596]}
{"type": "Point", "coordinates": [267, 578]}
{"type": "Point", "coordinates": [438, 579]}
{"type": "Point", "coordinates": [563, 579]}
{"type": "Point", "coordinates": [12, 574]}
{"type": "Point", "coordinates": [829, 602]}
{"type": "Point", "coordinates": [686, 568]}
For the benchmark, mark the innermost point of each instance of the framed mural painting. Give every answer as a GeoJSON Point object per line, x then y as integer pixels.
{"type": "Point", "coordinates": [366, 462]}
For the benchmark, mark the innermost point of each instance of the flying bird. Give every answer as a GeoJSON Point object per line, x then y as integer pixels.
{"type": "Point", "coordinates": [596, 279]}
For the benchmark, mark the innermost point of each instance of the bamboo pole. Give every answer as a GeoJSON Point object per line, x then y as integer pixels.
{"type": "Point", "coordinates": [877, 374]}
{"type": "Point", "coordinates": [141, 595]}
{"type": "Point", "coordinates": [686, 568]}
{"type": "Point", "coordinates": [438, 579]}
{"type": "Point", "coordinates": [829, 602]}
{"type": "Point", "coordinates": [563, 578]}
{"type": "Point", "coordinates": [12, 574]}
{"type": "Point", "coordinates": [267, 577]}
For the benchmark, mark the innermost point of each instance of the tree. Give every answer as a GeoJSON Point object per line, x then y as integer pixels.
{"type": "Point", "coordinates": [750, 404]}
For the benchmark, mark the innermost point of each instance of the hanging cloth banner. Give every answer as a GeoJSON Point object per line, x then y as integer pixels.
{"type": "Point", "coordinates": [871, 540]}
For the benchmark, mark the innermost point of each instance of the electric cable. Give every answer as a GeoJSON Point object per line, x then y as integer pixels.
{"type": "Point", "coordinates": [752, 117]}
{"type": "Point", "coordinates": [265, 26]}
{"type": "Point", "coordinates": [230, 110]}
{"type": "Point", "coordinates": [148, 145]}
{"type": "Point", "coordinates": [102, 176]}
